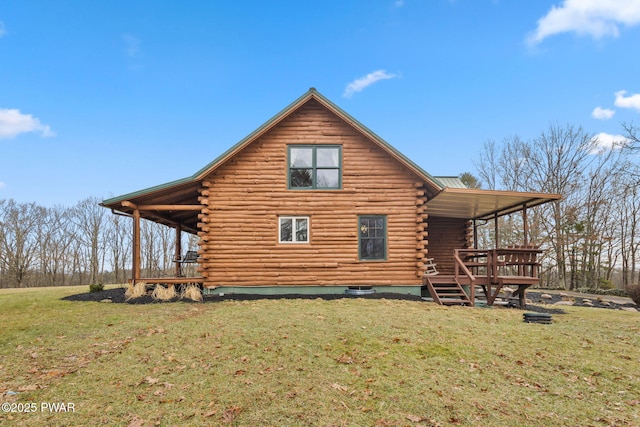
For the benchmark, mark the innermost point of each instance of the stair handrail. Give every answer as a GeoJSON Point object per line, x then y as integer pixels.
{"type": "Point", "coordinates": [459, 264]}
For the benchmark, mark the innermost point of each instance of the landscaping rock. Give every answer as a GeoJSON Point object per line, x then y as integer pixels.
{"type": "Point", "coordinates": [563, 302]}
{"type": "Point", "coordinates": [628, 309]}
{"type": "Point", "coordinates": [546, 297]}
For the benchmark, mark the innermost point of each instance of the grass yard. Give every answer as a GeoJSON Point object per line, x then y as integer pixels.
{"type": "Point", "coordinates": [347, 362]}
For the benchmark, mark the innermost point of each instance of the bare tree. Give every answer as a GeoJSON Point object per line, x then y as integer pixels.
{"type": "Point", "coordinates": [487, 165]}
{"type": "Point", "coordinates": [89, 219]}
{"type": "Point", "coordinates": [118, 238]}
{"type": "Point", "coordinates": [18, 247]}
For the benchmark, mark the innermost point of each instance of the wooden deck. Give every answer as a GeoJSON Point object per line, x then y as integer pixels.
{"type": "Point", "coordinates": [492, 269]}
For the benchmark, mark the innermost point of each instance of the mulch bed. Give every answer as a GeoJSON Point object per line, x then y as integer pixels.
{"type": "Point", "coordinates": [117, 296]}
{"type": "Point", "coordinates": [537, 303]}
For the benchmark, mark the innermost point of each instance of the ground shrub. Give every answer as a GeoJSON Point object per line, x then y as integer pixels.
{"type": "Point", "coordinates": [634, 293]}
{"type": "Point", "coordinates": [96, 287]}
{"type": "Point", "coordinates": [606, 284]}
{"type": "Point", "coordinates": [612, 292]}
{"type": "Point", "coordinates": [616, 292]}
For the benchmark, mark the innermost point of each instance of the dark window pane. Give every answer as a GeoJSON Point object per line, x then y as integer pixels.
{"type": "Point", "coordinates": [301, 230]}
{"type": "Point", "coordinates": [364, 227]}
{"type": "Point", "coordinates": [378, 249]}
{"type": "Point", "coordinates": [328, 178]}
{"type": "Point", "coordinates": [286, 229]}
{"type": "Point", "coordinates": [301, 178]}
{"type": "Point", "coordinates": [366, 248]}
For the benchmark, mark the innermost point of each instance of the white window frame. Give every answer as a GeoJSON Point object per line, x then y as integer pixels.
{"type": "Point", "coordinates": [294, 221]}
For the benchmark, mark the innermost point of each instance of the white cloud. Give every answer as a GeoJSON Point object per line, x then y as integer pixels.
{"type": "Point", "coordinates": [597, 18]}
{"type": "Point", "coordinates": [3, 29]}
{"type": "Point", "coordinates": [604, 141]}
{"type": "Point", "coordinates": [399, 3]}
{"type": "Point", "coordinates": [360, 84]}
{"type": "Point", "coordinates": [632, 101]}
{"type": "Point", "coordinates": [13, 123]}
{"type": "Point", "coordinates": [602, 113]}
{"type": "Point", "coordinates": [2, 184]}
{"type": "Point", "coordinates": [131, 45]}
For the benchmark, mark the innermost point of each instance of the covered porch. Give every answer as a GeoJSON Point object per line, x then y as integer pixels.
{"type": "Point", "coordinates": [174, 205]}
{"type": "Point", "coordinates": [490, 269]}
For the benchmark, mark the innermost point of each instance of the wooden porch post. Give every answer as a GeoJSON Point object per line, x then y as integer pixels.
{"type": "Point", "coordinates": [496, 230]}
{"type": "Point", "coordinates": [135, 268]}
{"type": "Point", "coordinates": [475, 235]}
{"type": "Point", "coordinates": [526, 224]}
{"type": "Point", "coordinates": [178, 253]}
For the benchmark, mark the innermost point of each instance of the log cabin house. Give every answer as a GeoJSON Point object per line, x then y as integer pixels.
{"type": "Point", "coordinates": [315, 202]}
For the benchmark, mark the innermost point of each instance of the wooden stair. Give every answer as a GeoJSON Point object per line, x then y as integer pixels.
{"type": "Point", "coordinates": [446, 290]}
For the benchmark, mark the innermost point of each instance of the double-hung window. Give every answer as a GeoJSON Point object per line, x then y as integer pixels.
{"type": "Point", "coordinates": [372, 232]}
{"type": "Point", "coordinates": [293, 229]}
{"type": "Point", "coordinates": [315, 167]}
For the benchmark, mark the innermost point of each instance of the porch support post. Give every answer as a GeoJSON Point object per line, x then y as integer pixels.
{"type": "Point", "coordinates": [178, 252]}
{"type": "Point", "coordinates": [526, 224]}
{"type": "Point", "coordinates": [475, 235]}
{"type": "Point", "coordinates": [135, 268]}
{"type": "Point", "coordinates": [496, 230]}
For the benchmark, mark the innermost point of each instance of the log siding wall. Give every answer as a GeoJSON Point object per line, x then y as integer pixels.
{"type": "Point", "coordinates": [445, 235]}
{"type": "Point", "coordinates": [244, 198]}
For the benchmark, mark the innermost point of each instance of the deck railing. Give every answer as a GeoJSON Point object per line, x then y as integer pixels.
{"type": "Point", "coordinates": [494, 268]}
{"type": "Point", "coordinates": [460, 265]}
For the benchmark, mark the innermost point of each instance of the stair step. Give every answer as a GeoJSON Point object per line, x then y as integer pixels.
{"type": "Point", "coordinates": [447, 301]}
{"type": "Point", "coordinates": [446, 290]}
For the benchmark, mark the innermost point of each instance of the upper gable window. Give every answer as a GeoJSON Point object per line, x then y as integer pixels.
{"type": "Point", "coordinates": [315, 167]}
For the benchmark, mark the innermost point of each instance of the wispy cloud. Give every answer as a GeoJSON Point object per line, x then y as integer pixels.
{"type": "Point", "coordinates": [13, 123]}
{"type": "Point", "coordinates": [2, 184]}
{"type": "Point", "coordinates": [131, 45]}
{"type": "Point", "coordinates": [595, 18]}
{"type": "Point", "coordinates": [3, 29]}
{"type": "Point", "coordinates": [602, 113]}
{"type": "Point", "coordinates": [398, 3]}
{"type": "Point", "coordinates": [603, 142]}
{"type": "Point", "coordinates": [632, 101]}
{"type": "Point", "coordinates": [360, 84]}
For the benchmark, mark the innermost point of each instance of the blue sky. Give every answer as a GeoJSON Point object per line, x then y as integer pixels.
{"type": "Point", "coordinates": [101, 98]}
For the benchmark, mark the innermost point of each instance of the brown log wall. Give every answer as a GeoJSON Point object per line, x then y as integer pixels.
{"type": "Point", "coordinates": [244, 197]}
{"type": "Point", "coordinates": [445, 235]}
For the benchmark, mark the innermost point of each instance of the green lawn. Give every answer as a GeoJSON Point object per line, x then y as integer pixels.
{"type": "Point", "coordinates": [348, 362]}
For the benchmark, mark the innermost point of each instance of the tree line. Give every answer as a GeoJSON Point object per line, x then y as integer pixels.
{"type": "Point", "coordinates": [591, 236]}
{"type": "Point", "coordinates": [78, 245]}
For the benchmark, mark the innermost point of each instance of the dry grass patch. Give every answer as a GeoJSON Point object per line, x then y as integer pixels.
{"type": "Point", "coordinates": [315, 362]}
{"type": "Point", "coordinates": [192, 292]}
{"type": "Point", "coordinates": [135, 291]}
{"type": "Point", "coordinates": [164, 293]}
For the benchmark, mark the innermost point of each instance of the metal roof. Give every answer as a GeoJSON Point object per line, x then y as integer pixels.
{"type": "Point", "coordinates": [467, 203]}
{"type": "Point", "coordinates": [451, 181]}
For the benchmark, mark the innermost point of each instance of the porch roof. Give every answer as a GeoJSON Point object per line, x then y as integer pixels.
{"type": "Point", "coordinates": [467, 203]}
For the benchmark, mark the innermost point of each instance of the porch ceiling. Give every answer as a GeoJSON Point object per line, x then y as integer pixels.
{"type": "Point", "coordinates": [483, 204]}
{"type": "Point", "coordinates": [183, 192]}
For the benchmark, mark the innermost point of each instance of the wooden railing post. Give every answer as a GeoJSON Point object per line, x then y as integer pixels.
{"type": "Point", "coordinates": [135, 268]}
{"type": "Point", "coordinates": [178, 251]}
